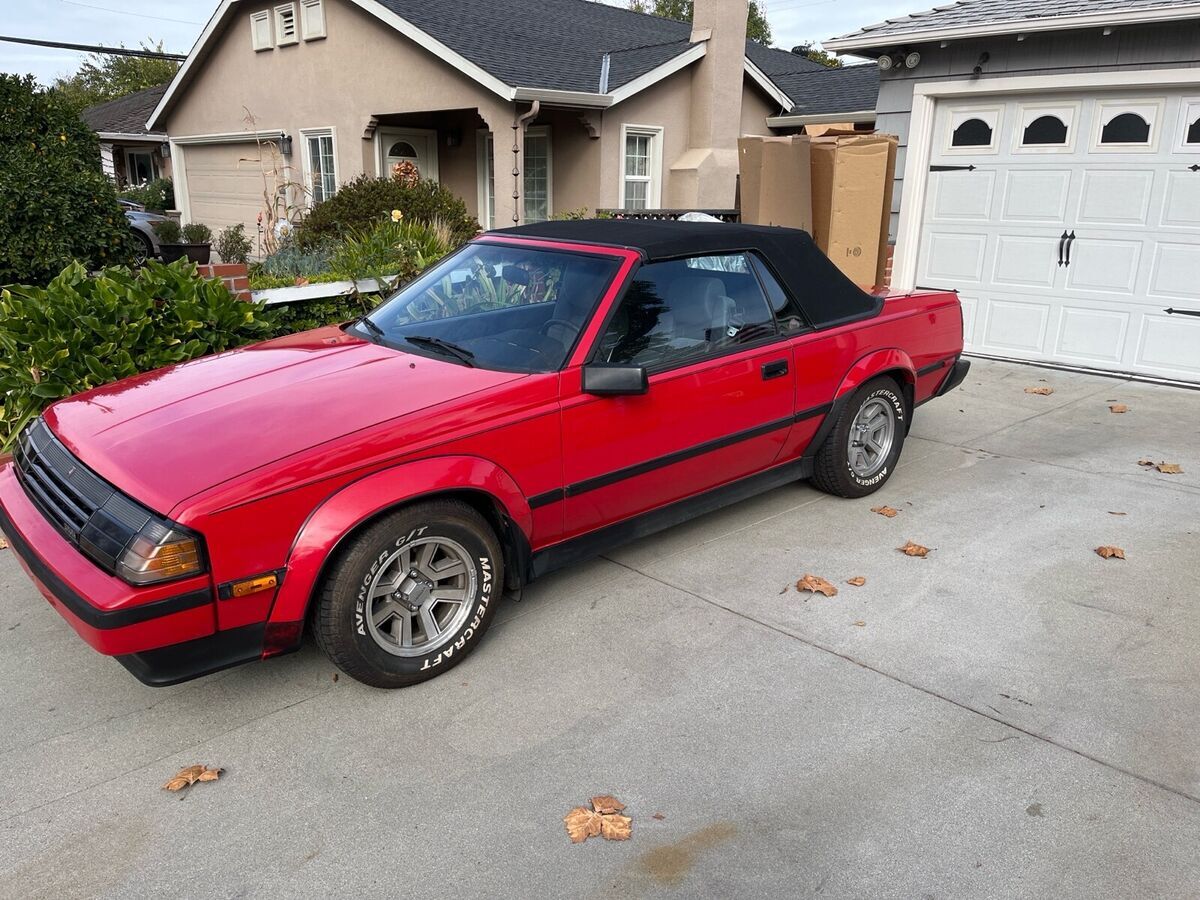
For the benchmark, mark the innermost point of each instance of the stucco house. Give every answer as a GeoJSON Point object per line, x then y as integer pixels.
{"type": "Point", "coordinates": [524, 109]}
{"type": "Point", "coordinates": [1050, 170]}
{"type": "Point", "coordinates": [130, 153]}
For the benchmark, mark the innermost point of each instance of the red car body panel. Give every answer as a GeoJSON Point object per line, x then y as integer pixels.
{"type": "Point", "coordinates": [276, 452]}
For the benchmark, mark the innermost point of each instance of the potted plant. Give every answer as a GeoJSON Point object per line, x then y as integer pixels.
{"type": "Point", "coordinates": [193, 241]}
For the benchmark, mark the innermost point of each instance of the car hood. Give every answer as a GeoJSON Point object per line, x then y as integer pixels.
{"type": "Point", "coordinates": [167, 435]}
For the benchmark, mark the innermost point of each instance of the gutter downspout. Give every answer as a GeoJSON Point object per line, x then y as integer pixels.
{"type": "Point", "coordinates": [518, 145]}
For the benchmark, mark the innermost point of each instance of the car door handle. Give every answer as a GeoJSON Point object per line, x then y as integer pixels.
{"type": "Point", "coordinates": [1062, 242]}
{"type": "Point", "coordinates": [776, 369]}
{"type": "Point", "coordinates": [1070, 244]}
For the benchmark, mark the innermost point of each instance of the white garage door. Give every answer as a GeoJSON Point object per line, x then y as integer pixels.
{"type": "Point", "coordinates": [225, 185]}
{"type": "Point", "coordinates": [1069, 224]}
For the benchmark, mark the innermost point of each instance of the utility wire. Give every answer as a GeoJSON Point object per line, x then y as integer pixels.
{"type": "Point", "coordinates": [126, 12]}
{"type": "Point", "coordinates": [91, 48]}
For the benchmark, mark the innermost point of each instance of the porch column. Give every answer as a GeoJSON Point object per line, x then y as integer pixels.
{"type": "Point", "coordinates": [508, 164]}
{"type": "Point", "coordinates": [106, 161]}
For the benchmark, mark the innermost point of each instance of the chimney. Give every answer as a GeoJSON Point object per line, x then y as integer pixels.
{"type": "Point", "coordinates": [706, 176]}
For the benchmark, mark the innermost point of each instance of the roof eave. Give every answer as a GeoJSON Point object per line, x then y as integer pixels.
{"type": "Point", "coordinates": [763, 81]}
{"type": "Point", "coordinates": [795, 121]}
{"type": "Point", "coordinates": [855, 42]}
{"type": "Point", "coordinates": [129, 137]}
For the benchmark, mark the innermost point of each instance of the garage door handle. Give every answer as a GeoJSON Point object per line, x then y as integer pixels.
{"type": "Point", "coordinates": [1062, 242]}
{"type": "Point", "coordinates": [776, 369]}
{"type": "Point", "coordinates": [1070, 243]}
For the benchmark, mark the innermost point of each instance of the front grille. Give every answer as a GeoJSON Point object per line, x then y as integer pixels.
{"type": "Point", "coordinates": [85, 509]}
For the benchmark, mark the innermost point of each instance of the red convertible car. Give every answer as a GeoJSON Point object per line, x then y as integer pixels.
{"type": "Point", "coordinates": [539, 396]}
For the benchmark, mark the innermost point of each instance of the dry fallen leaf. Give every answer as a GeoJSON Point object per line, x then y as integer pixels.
{"type": "Point", "coordinates": [1042, 391]}
{"type": "Point", "coordinates": [1169, 468]}
{"type": "Point", "coordinates": [189, 776]}
{"type": "Point", "coordinates": [860, 624]}
{"type": "Point", "coordinates": [857, 581]}
{"type": "Point", "coordinates": [607, 805]}
{"type": "Point", "coordinates": [1146, 462]}
{"type": "Point", "coordinates": [886, 511]}
{"type": "Point", "coordinates": [815, 585]}
{"type": "Point", "coordinates": [3, 544]}
{"type": "Point", "coordinates": [658, 816]}
{"type": "Point", "coordinates": [1118, 408]}
{"type": "Point", "coordinates": [603, 820]}
{"type": "Point", "coordinates": [301, 281]}
{"type": "Point", "coordinates": [911, 549]}
{"type": "Point", "coordinates": [1109, 552]}
{"type": "Point", "coordinates": [1111, 513]}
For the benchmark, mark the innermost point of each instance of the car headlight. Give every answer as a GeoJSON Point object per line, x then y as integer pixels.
{"type": "Point", "coordinates": [139, 546]}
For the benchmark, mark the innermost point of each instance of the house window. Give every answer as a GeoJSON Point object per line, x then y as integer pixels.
{"type": "Point", "coordinates": [972, 133]}
{"type": "Point", "coordinates": [641, 172]}
{"type": "Point", "coordinates": [1045, 131]}
{"type": "Point", "coordinates": [260, 30]}
{"type": "Point", "coordinates": [1127, 128]}
{"type": "Point", "coordinates": [285, 24]}
{"type": "Point", "coordinates": [537, 183]}
{"type": "Point", "coordinates": [312, 19]}
{"type": "Point", "coordinates": [139, 166]}
{"type": "Point", "coordinates": [322, 167]}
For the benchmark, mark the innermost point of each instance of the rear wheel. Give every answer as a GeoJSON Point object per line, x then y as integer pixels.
{"type": "Point", "coordinates": [860, 453]}
{"type": "Point", "coordinates": [412, 595]}
{"type": "Point", "coordinates": [143, 248]}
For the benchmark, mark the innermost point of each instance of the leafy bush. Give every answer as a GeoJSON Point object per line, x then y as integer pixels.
{"type": "Point", "coordinates": [390, 248]}
{"type": "Point", "coordinates": [55, 204]}
{"type": "Point", "coordinates": [156, 196]}
{"type": "Point", "coordinates": [310, 314]}
{"type": "Point", "coordinates": [284, 266]}
{"type": "Point", "coordinates": [83, 331]}
{"type": "Point", "coordinates": [232, 245]}
{"type": "Point", "coordinates": [168, 231]}
{"type": "Point", "coordinates": [360, 203]}
{"type": "Point", "coordinates": [195, 233]}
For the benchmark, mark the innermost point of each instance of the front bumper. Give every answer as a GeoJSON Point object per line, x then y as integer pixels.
{"type": "Point", "coordinates": [113, 617]}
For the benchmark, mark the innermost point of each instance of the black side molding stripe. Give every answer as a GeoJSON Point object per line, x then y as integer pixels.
{"type": "Point", "coordinates": [932, 367]}
{"type": "Point", "coordinates": [592, 484]}
{"type": "Point", "coordinates": [84, 611]}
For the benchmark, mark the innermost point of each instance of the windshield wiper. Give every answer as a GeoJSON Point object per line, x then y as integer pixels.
{"type": "Point", "coordinates": [366, 322]}
{"type": "Point", "coordinates": [462, 354]}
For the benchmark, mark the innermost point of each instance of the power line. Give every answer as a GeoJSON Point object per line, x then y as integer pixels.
{"type": "Point", "coordinates": [91, 48]}
{"type": "Point", "coordinates": [125, 12]}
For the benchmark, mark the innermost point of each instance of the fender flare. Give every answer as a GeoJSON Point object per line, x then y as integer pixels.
{"type": "Point", "coordinates": [340, 513]}
{"type": "Point", "coordinates": [875, 363]}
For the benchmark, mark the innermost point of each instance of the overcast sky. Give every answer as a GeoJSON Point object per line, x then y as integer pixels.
{"type": "Point", "coordinates": [178, 24]}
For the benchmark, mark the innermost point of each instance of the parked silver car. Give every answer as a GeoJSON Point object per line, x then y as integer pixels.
{"type": "Point", "coordinates": [141, 223]}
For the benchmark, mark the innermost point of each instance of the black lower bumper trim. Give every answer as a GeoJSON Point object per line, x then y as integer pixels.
{"type": "Point", "coordinates": [192, 659]}
{"type": "Point", "coordinates": [958, 373]}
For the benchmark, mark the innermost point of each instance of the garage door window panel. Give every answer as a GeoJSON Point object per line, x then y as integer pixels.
{"type": "Point", "coordinates": [321, 163]}
{"type": "Point", "coordinates": [1189, 141]}
{"type": "Point", "coordinates": [1127, 126]}
{"type": "Point", "coordinates": [1046, 128]}
{"type": "Point", "coordinates": [974, 130]}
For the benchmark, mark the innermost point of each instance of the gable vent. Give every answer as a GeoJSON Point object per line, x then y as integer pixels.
{"type": "Point", "coordinates": [285, 24]}
{"type": "Point", "coordinates": [312, 19]}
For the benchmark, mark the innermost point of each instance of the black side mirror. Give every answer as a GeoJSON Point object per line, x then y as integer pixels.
{"type": "Point", "coordinates": [615, 381]}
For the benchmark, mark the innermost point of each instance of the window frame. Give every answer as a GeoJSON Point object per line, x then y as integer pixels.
{"type": "Point", "coordinates": [262, 17]}
{"type": "Point", "coordinates": [485, 188]}
{"type": "Point", "coordinates": [1155, 106]}
{"type": "Point", "coordinates": [1189, 109]}
{"type": "Point", "coordinates": [1069, 113]}
{"type": "Point", "coordinates": [992, 114]}
{"type": "Point", "coordinates": [306, 135]}
{"type": "Point", "coordinates": [130, 153]}
{"type": "Point", "coordinates": [653, 179]}
{"type": "Point", "coordinates": [317, 32]}
{"type": "Point", "coordinates": [281, 39]}
{"type": "Point", "coordinates": [671, 366]}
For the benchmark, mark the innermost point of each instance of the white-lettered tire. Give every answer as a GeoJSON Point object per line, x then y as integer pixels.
{"type": "Point", "coordinates": [411, 596]}
{"type": "Point", "coordinates": [861, 452]}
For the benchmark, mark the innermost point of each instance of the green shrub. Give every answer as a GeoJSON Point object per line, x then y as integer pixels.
{"type": "Point", "coordinates": [232, 245]}
{"type": "Point", "coordinates": [362, 202]}
{"type": "Point", "coordinates": [168, 231]}
{"type": "Point", "coordinates": [309, 314]}
{"type": "Point", "coordinates": [389, 249]}
{"type": "Point", "coordinates": [82, 331]}
{"type": "Point", "coordinates": [284, 266]}
{"type": "Point", "coordinates": [55, 204]}
{"type": "Point", "coordinates": [196, 233]}
{"type": "Point", "coordinates": [156, 196]}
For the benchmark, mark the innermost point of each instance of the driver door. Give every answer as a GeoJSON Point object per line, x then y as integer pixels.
{"type": "Point", "coordinates": [719, 404]}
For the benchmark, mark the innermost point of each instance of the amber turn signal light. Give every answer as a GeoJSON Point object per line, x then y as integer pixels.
{"type": "Point", "coordinates": [253, 586]}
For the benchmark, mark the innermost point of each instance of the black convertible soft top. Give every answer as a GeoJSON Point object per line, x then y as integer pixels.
{"type": "Point", "coordinates": [826, 295]}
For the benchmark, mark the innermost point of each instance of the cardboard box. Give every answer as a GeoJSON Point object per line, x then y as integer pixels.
{"type": "Point", "coordinates": [775, 183]}
{"type": "Point", "coordinates": [852, 195]}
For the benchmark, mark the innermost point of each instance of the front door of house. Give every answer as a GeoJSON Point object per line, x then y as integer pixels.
{"type": "Point", "coordinates": [415, 145]}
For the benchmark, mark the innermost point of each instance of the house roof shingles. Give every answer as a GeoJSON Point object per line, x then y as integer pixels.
{"type": "Point", "coordinates": [125, 115]}
{"type": "Point", "coordinates": [979, 13]}
{"type": "Point", "coordinates": [830, 91]}
{"type": "Point", "coordinates": [564, 48]}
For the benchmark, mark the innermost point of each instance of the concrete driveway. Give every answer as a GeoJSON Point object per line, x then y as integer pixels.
{"type": "Point", "coordinates": [1012, 717]}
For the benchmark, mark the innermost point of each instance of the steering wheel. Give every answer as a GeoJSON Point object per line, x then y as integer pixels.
{"type": "Point", "coordinates": [572, 329]}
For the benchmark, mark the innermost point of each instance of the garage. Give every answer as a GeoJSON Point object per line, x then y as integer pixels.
{"type": "Point", "coordinates": [1070, 222]}
{"type": "Point", "coordinates": [224, 184]}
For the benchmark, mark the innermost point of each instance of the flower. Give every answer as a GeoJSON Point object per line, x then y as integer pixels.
{"type": "Point", "coordinates": [397, 215]}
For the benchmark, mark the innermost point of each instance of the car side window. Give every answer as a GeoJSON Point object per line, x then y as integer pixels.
{"type": "Point", "coordinates": [680, 311]}
{"type": "Point", "coordinates": [787, 311]}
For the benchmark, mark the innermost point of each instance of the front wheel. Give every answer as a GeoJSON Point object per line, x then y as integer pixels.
{"type": "Point", "coordinates": [412, 595]}
{"type": "Point", "coordinates": [860, 453]}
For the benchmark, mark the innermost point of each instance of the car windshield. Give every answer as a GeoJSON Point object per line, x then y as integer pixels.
{"type": "Point", "coordinates": [495, 307]}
